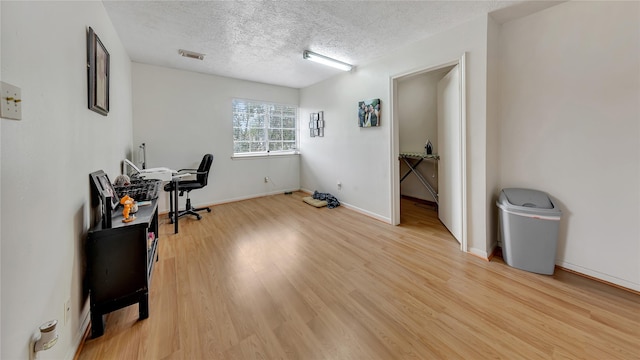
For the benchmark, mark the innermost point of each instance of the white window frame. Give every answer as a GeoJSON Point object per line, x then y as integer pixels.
{"type": "Point", "coordinates": [266, 126]}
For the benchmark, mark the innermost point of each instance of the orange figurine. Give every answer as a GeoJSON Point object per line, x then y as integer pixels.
{"type": "Point", "coordinates": [127, 202]}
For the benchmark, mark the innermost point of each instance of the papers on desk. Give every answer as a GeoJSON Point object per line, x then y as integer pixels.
{"type": "Point", "coordinates": [159, 173]}
{"type": "Point", "coordinates": [162, 174]}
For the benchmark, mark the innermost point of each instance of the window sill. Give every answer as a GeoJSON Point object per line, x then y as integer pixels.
{"type": "Point", "coordinates": [263, 155]}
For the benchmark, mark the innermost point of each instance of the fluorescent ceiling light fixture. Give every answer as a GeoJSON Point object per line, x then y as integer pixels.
{"type": "Point", "coordinates": [321, 59]}
{"type": "Point", "coordinates": [191, 54]}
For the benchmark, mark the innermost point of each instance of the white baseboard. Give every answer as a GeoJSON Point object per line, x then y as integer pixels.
{"type": "Point", "coordinates": [480, 253]}
{"type": "Point", "coordinates": [365, 212]}
{"type": "Point", "coordinates": [357, 209]}
{"type": "Point", "coordinates": [79, 336]}
{"type": "Point", "coordinates": [598, 275]}
{"type": "Point", "coordinates": [230, 200]}
{"type": "Point", "coordinates": [247, 197]}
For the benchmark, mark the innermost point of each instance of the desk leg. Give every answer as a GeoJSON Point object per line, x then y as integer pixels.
{"type": "Point", "coordinates": [143, 306]}
{"type": "Point", "coordinates": [97, 324]}
{"type": "Point", "coordinates": [175, 209]}
{"type": "Point", "coordinates": [171, 206]}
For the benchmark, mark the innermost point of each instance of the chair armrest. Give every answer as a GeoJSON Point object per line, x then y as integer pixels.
{"type": "Point", "coordinates": [193, 171]}
{"type": "Point", "coordinates": [189, 170]}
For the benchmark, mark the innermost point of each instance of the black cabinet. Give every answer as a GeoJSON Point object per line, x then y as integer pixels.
{"type": "Point", "coordinates": [120, 263]}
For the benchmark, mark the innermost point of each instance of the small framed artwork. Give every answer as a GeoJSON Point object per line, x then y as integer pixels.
{"type": "Point", "coordinates": [316, 124]}
{"type": "Point", "coordinates": [97, 74]}
{"type": "Point", "coordinates": [369, 113]}
{"type": "Point", "coordinates": [313, 125]}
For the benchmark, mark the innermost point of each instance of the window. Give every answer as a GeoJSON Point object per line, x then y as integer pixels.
{"type": "Point", "coordinates": [260, 127]}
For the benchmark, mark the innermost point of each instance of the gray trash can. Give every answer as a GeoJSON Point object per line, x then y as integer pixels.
{"type": "Point", "coordinates": [529, 223]}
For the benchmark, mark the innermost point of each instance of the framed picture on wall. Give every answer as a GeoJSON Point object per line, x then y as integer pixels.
{"type": "Point", "coordinates": [97, 74]}
{"type": "Point", "coordinates": [369, 113]}
{"type": "Point", "coordinates": [316, 124]}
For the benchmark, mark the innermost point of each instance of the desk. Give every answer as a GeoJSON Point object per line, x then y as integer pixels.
{"type": "Point", "coordinates": [163, 174]}
{"type": "Point", "coordinates": [120, 263]}
{"type": "Point", "coordinates": [413, 159]}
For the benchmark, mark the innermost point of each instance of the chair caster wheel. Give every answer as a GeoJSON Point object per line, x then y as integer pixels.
{"type": "Point", "coordinates": [208, 210]}
{"type": "Point", "coordinates": [199, 217]}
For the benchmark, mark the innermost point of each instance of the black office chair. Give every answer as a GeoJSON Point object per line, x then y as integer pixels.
{"type": "Point", "coordinates": [202, 176]}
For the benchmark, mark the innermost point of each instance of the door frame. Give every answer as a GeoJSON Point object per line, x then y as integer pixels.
{"type": "Point", "coordinates": [394, 163]}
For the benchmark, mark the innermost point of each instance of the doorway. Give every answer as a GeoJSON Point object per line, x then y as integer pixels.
{"type": "Point", "coordinates": [428, 105]}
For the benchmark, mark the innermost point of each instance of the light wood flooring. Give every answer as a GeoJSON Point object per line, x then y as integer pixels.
{"type": "Point", "coordinates": [274, 278]}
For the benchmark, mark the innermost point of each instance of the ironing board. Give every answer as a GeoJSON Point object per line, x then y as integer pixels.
{"type": "Point", "coordinates": [413, 159]}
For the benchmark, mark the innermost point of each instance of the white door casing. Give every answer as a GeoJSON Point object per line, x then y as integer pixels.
{"type": "Point", "coordinates": [394, 163]}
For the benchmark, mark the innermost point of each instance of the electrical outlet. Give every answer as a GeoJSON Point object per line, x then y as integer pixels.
{"type": "Point", "coordinates": [67, 311]}
{"type": "Point", "coordinates": [10, 101]}
{"type": "Point", "coordinates": [339, 185]}
{"type": "Point", "coordinates": [266, 179]}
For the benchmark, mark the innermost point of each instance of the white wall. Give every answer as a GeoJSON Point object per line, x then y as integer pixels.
{"type": "Point", "coordinates": [363, 159]}
{"type": "Point", "coordinates": [417, 123]}
{"type": "Point", "coordinates": [357, 157]}
{"type": "Point", "coordinates": [570, 126]}
{"type": "Point", "coordinates": [181, 116]}
{"type": "Point", "coordinates": [0, 188]}
{"type": "Point", "coordinates": [46, 161]}
{"type": "Point", "coordinates": [493, 134]}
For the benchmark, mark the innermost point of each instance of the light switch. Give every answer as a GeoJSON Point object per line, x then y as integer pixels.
{"type": "Point", "coordinates": [10, 101]}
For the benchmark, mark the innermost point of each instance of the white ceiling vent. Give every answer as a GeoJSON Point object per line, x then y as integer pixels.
{"type": "Point", "coordinates": [191, 54]}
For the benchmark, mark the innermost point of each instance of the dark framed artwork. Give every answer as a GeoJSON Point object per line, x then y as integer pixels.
{"type": "Point", "coordinates": [97, 74]}
{"type": "Point", "coordinates": [369, 113]}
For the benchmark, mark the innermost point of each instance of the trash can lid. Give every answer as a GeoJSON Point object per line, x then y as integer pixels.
{"type": "Point", "coordinates": [528, 198]}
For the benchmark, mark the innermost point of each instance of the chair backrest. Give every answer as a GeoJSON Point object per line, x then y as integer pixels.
{"type": "Point", "coordinates": [205, 166]}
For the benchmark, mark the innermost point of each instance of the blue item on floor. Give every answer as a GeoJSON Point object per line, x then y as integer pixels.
{"type": "Point", "coordinates": [331, 200]}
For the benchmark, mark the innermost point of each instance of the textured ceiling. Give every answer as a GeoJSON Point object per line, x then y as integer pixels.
{"type": "Point", "coordinates": [263, 41]}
